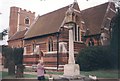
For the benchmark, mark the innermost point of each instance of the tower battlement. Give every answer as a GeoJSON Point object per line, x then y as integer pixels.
{"type": "Point", "coordinates": [23, 10]}
{"type": "Point", "coordinates": [26, 11]}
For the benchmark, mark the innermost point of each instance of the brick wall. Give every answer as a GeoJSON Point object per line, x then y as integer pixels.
{"type": "Point", "coordinates": [50, 58]}
{"type": "Point", "coordinates": [29, 60]}
{"type": "Point", "coordinates": [13, 20]}
{"type": "Point", "coordinates": [42, 42]}
{"type": "Point", "coordinates": [16, 43]}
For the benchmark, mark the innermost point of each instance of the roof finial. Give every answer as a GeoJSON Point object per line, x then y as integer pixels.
{"type": "Point", "coordinates": [75, 1]}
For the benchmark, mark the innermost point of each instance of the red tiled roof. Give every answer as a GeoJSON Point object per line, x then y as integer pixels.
{"type": "Point", "coordinates": [93, 18]}
{"type": "Point", "coordinates": [48, 23]}
{"type": "Point", "coordinates": [18, 35]}
{"type": "Point", "coordinates": [51, 22]}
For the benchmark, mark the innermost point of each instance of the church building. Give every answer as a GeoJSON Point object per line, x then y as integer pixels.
{"type": "Point", "coordinates": [46, 37]}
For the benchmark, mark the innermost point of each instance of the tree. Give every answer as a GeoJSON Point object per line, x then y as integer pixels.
{"type": "Point", "coordinates": [18, 52]}
{"type": "Point", "coordinates": [3, 33]}
{"type": "Point", "coordinates": [13, 56]}
{"type": "Point", "coordinates": [18, 59]}
{"type": "Point", "coordinates": [115, 38]}
{"type": "Point", "coordinates": [7, 52]}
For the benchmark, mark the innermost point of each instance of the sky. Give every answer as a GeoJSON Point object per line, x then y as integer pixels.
{"type": "Point", "coordinates": [40, 7]}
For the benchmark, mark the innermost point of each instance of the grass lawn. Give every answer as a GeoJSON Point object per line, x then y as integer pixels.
{"type": "Point", "coordinates": [99, 74]}
{"type": "Point", "coordinates": [55, 73]}
{"type": "Point", "coordinates": [5, 75]}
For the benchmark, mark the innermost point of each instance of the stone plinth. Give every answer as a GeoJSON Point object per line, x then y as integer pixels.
{"type": "Point", "coordinates": [71, 70]}
{"type": "Point", "coordinates": [71, 78]}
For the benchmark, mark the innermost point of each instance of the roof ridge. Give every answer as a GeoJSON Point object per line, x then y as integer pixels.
{"type": "Point", "coordinates": [54, 11]}
{"type": "Point", "coordinates": [107, 9]}
{"type": "Point", "coordinates": [96, 6]}
{"type": "Point", "coordinates": [59, 9]}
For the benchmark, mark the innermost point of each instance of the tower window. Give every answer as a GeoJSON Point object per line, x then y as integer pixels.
{"type": "Point", "coordinates": [27, 21]}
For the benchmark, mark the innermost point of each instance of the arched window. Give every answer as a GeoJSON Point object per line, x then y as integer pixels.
{"type": "Point", "coordinates": [27, 21]}
{"type": "Point", "coordinates": [33, 47]}
{"type": "Point", "coordinates": [76, 32]}
{"type": "Point", "coordinates": [63, 47]}
{"type": "Point", "coordinates": [50, 44]}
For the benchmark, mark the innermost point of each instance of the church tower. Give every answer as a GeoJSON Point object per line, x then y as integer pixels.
{"type": "Point", "coordinates": [19, 20]}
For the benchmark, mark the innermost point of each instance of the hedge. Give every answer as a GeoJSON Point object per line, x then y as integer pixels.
{"type": "Point", "coordinates": [94, 58]}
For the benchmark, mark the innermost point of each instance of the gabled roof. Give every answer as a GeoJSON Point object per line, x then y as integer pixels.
{"type": "Point", "coordinates": [93, 18]}
{"type": "Point", "coordinates": [48, 23]}
{"type": "Point", "coordinates": [18, 35]}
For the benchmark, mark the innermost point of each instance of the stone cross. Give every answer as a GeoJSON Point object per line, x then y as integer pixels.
{"type": "Point", "coordinates": [71, 69]}
{"type": "Point", "coordinates": [71, 46]}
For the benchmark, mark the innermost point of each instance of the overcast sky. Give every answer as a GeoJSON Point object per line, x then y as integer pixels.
{"type": "Point", "coordinates": [39, 6]}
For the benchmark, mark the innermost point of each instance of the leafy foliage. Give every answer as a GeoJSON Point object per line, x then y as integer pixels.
{"type": "Point", "coordinates": [94, 58]}
{"type": "Point", "coordinates": [115, 39]}
{"type": "Point", "coordinates": [13, 56]}
{"type": "Point", "coordinates": [3, 33]}
{"type": "Point", "coordinates": [18, 56]}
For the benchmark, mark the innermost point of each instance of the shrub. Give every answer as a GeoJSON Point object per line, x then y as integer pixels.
{"type": "Point", "coordinates": [18, 55]}
{"type": "Point", "coordinates": [94, 58]}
